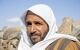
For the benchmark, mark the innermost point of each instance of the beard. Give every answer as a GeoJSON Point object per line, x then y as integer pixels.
{"type": "Point", "coordinates": [36, 37]}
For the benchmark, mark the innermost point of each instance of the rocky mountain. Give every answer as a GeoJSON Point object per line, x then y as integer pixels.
{"type": "Point", "coordinates": [9, 38]}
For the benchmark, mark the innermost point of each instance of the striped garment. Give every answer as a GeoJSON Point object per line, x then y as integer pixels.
{"type": "Point", "coordinates": [64, 44]}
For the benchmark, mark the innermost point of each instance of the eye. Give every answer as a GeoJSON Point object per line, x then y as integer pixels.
{"type": "Point", "coordinates": [38, 23]}
{"type": "Point", "coordinates": [28, 23]}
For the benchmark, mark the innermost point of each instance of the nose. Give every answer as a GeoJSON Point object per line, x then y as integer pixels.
{"type": "Point", "coordinates": [33, 29]}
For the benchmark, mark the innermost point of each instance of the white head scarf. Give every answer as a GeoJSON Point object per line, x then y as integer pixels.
{"type": "Point", "coordinates": [46, 13]}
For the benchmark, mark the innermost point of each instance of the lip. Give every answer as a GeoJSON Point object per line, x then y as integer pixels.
{"type": "Point", "coordinates": [35, 35]}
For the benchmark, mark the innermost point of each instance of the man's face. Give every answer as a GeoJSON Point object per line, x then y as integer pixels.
{"type": "Point", "coordinates": [36, 28]}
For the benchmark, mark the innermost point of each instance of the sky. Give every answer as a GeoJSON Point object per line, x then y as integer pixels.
{"type": "Point", "coordinates": [12, 10]}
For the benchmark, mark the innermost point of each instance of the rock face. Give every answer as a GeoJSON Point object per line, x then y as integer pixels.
{"type": "Point", "coordinates": [1, 47]}
{"type": "Point", "coordinates": [66, 26]}
{"type": "Point", "coordinates": [11, 33]}
{"type": "Point", "coordinates": [10, 39]}
{"type": "Point", "coordinates": [1, 34]}
{"type": "Point", "coordinates": [70, 27]}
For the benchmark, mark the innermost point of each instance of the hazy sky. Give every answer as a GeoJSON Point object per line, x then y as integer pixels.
{"type": "Point", "coordinates": [11, 10]}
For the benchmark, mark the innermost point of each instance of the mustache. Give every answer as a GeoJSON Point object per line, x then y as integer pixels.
{"type": "Point", "coordinates": [33, 34]}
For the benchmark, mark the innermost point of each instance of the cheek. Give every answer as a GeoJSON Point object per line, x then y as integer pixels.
{"type": "Point", "coordinates": [42, 30]}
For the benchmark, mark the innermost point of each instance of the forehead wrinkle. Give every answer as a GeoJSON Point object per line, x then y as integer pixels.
{"type": "Point", "coordinates": [34, 18]}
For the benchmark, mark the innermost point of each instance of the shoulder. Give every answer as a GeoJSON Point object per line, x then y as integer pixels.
{"type": "Point", "coordinates": [64, 44]}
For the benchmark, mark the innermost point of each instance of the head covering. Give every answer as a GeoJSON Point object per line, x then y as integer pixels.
{"type": "Point", "coordinates": [46, 13]}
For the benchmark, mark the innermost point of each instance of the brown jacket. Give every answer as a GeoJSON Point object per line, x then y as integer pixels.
{"type": "Point", "coordinates": [64, 44]}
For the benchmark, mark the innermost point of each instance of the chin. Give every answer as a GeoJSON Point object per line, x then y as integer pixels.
{"type": "Point", "coordinates": [34, 42]}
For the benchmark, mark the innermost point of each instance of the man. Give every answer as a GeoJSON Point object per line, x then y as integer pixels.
{"type": "Point", "coordinates": [40, 32]}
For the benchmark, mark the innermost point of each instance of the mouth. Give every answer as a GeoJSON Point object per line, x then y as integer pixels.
{"type": "Point", "coordinates": [34, 36]}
